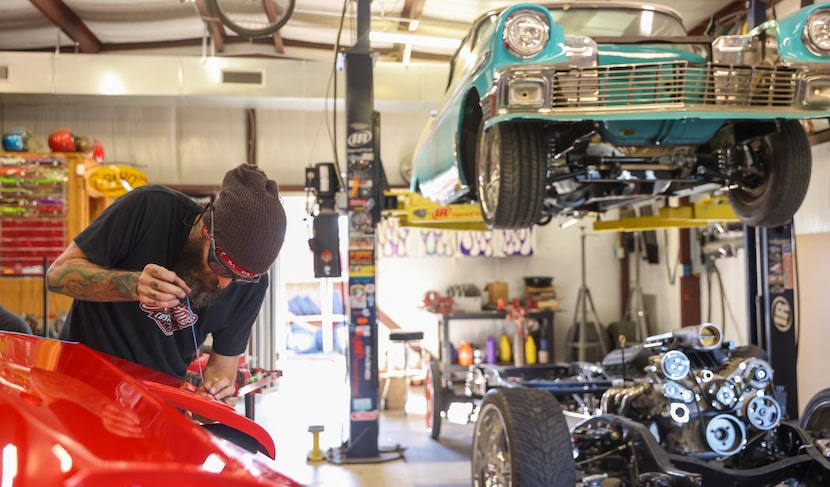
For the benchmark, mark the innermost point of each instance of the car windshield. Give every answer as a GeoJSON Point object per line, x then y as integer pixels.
{"type": "Point", "coordinates": [595, 22]}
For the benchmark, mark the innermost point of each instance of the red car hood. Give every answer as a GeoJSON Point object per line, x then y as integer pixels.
{"type": "Point", "coordinates": [72, 416]}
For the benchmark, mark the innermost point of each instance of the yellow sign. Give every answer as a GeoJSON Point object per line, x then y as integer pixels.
{"type": "Point", "coordinates": [114, 180]}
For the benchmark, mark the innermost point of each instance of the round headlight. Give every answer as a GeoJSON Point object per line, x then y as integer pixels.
{"type": "Point", "coordinates": [526, 32]}
{"type": "Point", "coordinates": [817, 32]}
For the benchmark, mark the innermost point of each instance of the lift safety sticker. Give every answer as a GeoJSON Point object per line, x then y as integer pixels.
{"type": "Point", "coordinates": [780, 269]}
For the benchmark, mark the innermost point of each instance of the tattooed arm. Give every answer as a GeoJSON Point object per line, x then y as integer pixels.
{"type": "Point", "coordinates": [75, 275]}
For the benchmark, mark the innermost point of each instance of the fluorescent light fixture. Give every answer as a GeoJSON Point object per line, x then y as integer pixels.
{"type": "Point", "coordinates": [423, 41]}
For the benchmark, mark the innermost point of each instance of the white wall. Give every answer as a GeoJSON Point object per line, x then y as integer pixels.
{"type": "Point", "coordinates": [402, 282]}
{"type": "Point", "coordinates": [812, 225]}
{"type": "Point", "coordinates": [195, 145]}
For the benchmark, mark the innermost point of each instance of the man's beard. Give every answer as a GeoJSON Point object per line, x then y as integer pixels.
{"type": "Point", "coordinates": [204, 287]}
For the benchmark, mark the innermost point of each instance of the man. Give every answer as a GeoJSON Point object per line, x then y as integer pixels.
{"type": "Point", "coordinates": [12, 322]}
{"type": "Point", "coordinates": [156, 273]}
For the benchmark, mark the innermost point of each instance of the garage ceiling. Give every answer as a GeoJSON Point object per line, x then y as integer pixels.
{"type": "Point", "coordinates": [188, 27]}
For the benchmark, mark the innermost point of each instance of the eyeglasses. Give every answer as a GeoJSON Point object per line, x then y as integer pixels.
{"type": "Point", "coordinates": [218, 266]}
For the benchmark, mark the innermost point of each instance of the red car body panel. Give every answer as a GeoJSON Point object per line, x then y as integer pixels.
{"type": "Point", "coordinates": [72, 416]}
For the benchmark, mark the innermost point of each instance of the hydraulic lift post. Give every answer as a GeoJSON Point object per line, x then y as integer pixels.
{"type": "Point", "coordinates": [770, 275]}
{"type": "Point", "coordinates": [360, 154]}
{"type": "Point", "coordinates": [770, 287]}
{"type": "Point", "coordinates": [364, 187]}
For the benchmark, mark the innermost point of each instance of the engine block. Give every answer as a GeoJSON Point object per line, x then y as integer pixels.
{"type": "Point", "coordinates": [695, 399]}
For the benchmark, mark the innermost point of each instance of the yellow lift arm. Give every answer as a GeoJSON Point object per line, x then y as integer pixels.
{"type": "Point", "coordinates": [414, 210]}
{"type": "Point", "coordinates": [696, 214]}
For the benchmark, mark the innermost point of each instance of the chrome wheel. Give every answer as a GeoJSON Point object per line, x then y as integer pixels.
{"type": "Point", "coordinates": [489, 173]}
{"type": "Point", "coordinates": [511, 166]}
{"type": "Point", "coordinates": [521, 439]}
{"type": "Point", "coordinates": [491, 450]}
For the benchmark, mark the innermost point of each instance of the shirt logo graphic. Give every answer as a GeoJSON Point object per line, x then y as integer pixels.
{"type": "Point", "coordinates": [171, 320]}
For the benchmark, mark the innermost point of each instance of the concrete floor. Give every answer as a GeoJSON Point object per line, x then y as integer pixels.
{"type": "Point", "coordinates": [313, 391]}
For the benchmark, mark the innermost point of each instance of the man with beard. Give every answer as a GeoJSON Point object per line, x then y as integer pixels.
{"type": "Point", "coordinates": [156, 273]}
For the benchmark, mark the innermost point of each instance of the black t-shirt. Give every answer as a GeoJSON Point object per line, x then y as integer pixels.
{"type": "Point", "coordinates": [150, 225]}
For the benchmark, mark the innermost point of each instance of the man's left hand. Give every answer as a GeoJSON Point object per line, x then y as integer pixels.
{"type": "Point", "coordinates": [221, 389]}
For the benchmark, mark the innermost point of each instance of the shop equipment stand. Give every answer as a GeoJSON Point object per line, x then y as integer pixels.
{"type": "Point", "coordinates": [635, 310]}
{"type": "Point", "coordinates": [578, 338]}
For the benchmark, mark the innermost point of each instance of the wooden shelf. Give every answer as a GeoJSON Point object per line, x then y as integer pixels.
{"type": "Point", "coordinates": [23, 293]}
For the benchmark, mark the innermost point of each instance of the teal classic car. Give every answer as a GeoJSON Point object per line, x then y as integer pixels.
{"type": "Point", "coordinates": [570, 109]}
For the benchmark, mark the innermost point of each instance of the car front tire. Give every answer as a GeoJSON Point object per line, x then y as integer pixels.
{"type": "Point", "coordinates": [782, 162]}
{"type": "Point", "coordinates": [521, 439]}
{"type": "Point", "coordinates": [511, 175]}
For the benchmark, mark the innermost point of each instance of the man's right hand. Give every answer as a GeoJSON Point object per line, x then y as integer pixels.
{"type": "Point", "coordinates": [159, 287]}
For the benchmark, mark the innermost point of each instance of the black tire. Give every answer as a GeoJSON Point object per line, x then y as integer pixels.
{"type": "Point", "coordinates": [783, 162]}
{"type": "Point", "coordinates": [816, 416]}
{"type": "Point", "coordinates": [434, 395]}
{"type": "Point", "coordinates": [254, 18]}
{"type": "Point", "coordinates": [512, 167]}
{"type": "Point", "coordinates": [521, 439]}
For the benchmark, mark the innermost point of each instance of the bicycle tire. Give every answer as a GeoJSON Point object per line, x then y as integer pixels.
{"type": "Point", "coordinates": [251, 18]}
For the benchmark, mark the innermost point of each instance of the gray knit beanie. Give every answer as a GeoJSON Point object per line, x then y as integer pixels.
{"type": "Point", "coordinates": [249, 218]}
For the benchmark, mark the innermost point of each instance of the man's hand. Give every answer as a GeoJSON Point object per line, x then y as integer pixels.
{"type": "Point", "coordinates": [220, 378]}
{"type": "Point", "coordinates": [221, 389]}
{"type": "Point", "coordinates": [159, 287]}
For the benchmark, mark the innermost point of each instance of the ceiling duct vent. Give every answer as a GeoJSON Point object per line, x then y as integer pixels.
{"type": "Point", "coordinates": [4, 71]}
{"type": "Point", "coordinates": [243, 77]}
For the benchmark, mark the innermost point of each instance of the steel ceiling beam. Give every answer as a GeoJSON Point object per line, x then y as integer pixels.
{"type": "Point", "coordinates": [69, 23]}
{"type": "Point", "coordinates": [271, 12]}
{"type": "Point", "coordinates": [215, 27]}
{"type": "Point", "coordinates": [412, 9]}
{"type": "Point", "coordinates": [279, 44]}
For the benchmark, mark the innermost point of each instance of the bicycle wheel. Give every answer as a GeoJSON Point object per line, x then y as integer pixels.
{"type": "Point", "coordinates": [254, 18]}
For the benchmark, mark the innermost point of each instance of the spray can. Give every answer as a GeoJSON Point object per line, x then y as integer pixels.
{"type": "Point", "coordinates": [519, 347]}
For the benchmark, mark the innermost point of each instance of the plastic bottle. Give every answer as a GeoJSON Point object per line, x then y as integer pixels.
{"type": "Point", "coordinates": [465, 354]}
{"type": "Point", "coordinates": [543, 356]}
{"type": "Point", "coordinates": [519, 347]}
{"type": "Point", "coordinates": [505, 351]}
{"type": "Point", "coordinates": [491, 350]}
{"type": "Point", "coordinates": [530, 350]}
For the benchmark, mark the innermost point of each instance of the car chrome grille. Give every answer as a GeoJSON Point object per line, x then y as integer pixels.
{"type": "Point", "coordinates": [675, 84]}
